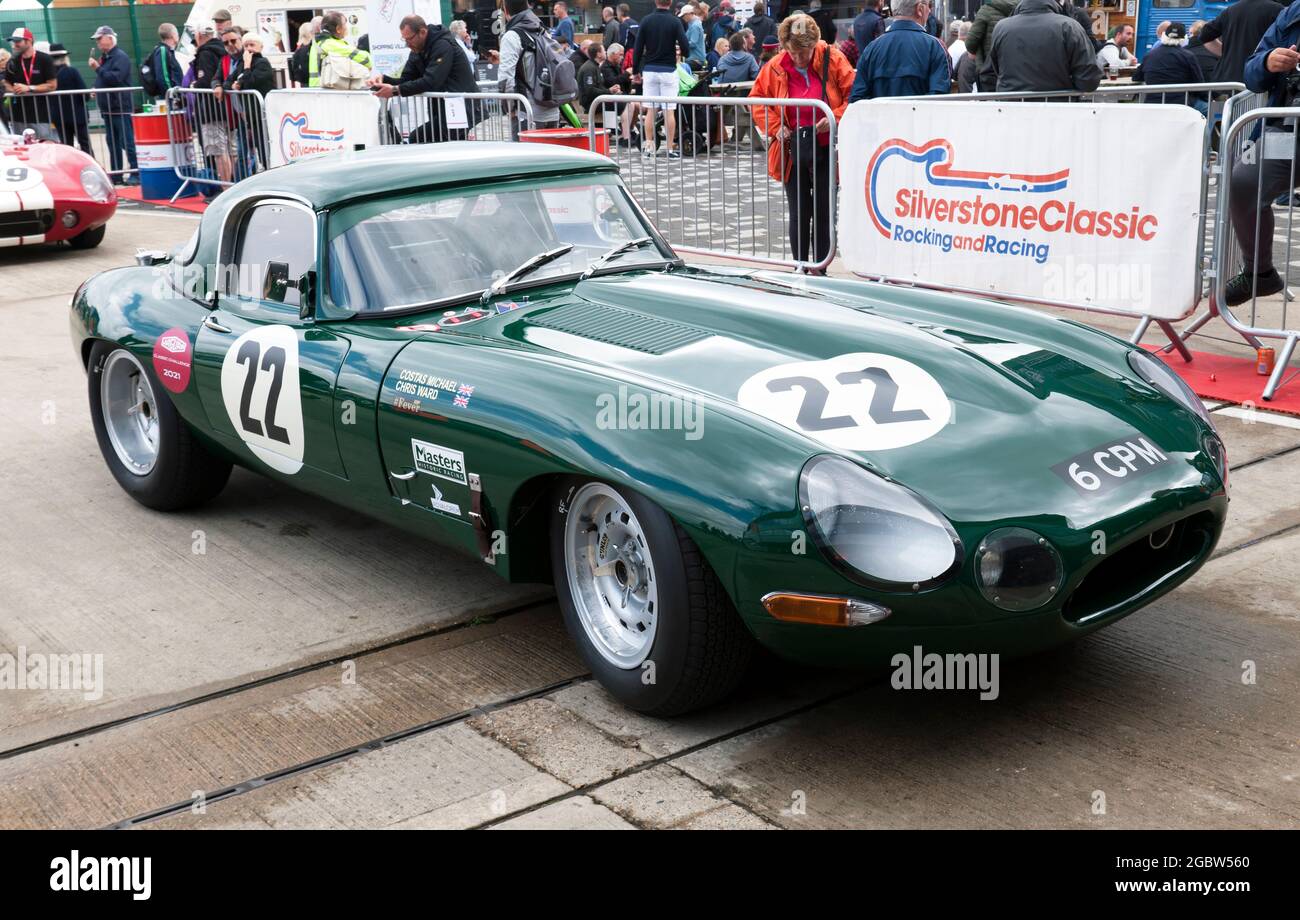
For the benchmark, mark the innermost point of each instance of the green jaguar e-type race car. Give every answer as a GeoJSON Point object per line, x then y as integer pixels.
{"type": "Point", "coordinates": [489, 345]}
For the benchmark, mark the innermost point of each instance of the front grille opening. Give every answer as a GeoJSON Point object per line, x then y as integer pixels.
{"type": "Point", "coordinates": [1141, 568]}
{"type": "Point", "coordinates": [26, 223]}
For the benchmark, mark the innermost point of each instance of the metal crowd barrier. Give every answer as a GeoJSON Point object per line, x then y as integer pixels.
{"type": "Point", "coordinates": [217, 137]}
{"type": "Point", "coordinates": [718, 198]}
{"type": "Point", "coordinates": [1234, 107]}
{"type": "Point", "coordinates": [1259, 168]}
{"type": "Point", "coordinates": [434, 117]}
{"type": "Point", "coordinates": [1211, 100]}
{"type": "Point", "coordinates": [98, 121]}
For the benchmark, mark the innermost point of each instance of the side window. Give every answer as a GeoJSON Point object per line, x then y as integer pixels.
{"type": "Point", "coordinates": [274, 233]}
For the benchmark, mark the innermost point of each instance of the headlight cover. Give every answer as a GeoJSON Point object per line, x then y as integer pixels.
{"type": "Point", "coordinates": [96, 184]}
{"type": "Point", "coordinates": [1017, 569]}
{"type": "Point", "coordinates": [1218, 455]}
{"type": "Point", "coordinates": [1156, 373]}
{"type": "Point", "coordinates": [877, 532]}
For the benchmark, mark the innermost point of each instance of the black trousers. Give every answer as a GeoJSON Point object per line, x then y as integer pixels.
{"type": "Point", "coordinates": [1254, 187]}
{"type": "Point", "coordinates": [808, 195]}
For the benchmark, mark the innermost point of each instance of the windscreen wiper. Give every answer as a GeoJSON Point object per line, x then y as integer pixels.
{"type": "Point", "coordinates": [499, 286]}
{"type": "Point", "coordinates": [613, 254]}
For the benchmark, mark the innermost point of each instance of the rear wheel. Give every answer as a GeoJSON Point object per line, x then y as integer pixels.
{"type": "Point", "coordinates": [89, 239]}
{"type": "Point", "coordinates": [650, 617]}
{"type": "Point", "coordinates": [149, 449]}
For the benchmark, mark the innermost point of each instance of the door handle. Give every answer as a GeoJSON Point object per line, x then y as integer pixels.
{"type": "Point", "coordinates": [215, 326]}
{"type": "Point", "coordinates": [409, 474]}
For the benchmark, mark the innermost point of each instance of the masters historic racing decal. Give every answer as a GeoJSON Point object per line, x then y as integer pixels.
{"type": "Point", "coordinates": [172, 359]}
{"type": "Point", "coordinates": [439, 461]}
{"type": "Point", "coordinates": [967, 209]}
{"type": "Point", "coordinates": [259, 386]}
{"type": "Point", "coordinates": [859, 401]}
{"type": "Point", "coordinates": [22, 188]}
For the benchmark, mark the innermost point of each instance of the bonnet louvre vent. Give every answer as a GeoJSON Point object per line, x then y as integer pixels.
{"type": "Point", "coordinates": [615, 326]}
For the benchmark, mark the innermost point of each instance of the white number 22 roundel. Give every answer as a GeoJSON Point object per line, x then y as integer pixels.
{"type": "Point", "coordinates": [259, 386]}
{"type": "Point", "coordinates": [859, 401]}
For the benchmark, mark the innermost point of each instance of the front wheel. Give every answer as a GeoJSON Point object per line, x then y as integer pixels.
{"type": "Point", "coordinates": [89, 239]}
{"type": "Point", "coordinates": [149, 449]}
{"type": "Point", "coordinates": [650, 617]}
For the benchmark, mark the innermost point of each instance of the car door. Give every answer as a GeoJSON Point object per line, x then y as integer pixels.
{"type": "Point", "coordinates": [266, 370]}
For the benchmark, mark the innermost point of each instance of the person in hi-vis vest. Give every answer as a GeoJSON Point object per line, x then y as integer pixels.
{"type": "Point", "coordinates": [331, 41]}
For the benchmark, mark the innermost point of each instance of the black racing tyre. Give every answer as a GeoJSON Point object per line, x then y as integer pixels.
{"type": "Point", "coordinates": [648, 614]}
{"type": "Point", "coordinates": [150, 450]}
{"type": "Point", "coordinates": [89, 239]}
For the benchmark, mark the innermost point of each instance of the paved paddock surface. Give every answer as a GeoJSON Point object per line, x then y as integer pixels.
{"type": "Point", "coordinates": [313, 669]}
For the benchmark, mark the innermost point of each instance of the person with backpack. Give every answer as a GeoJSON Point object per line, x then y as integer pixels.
{"type": "Point", "coordinates": [161, 70]}
{"type": "Point", "coordinates": [435, 65]}
{"type": "Point", "coordinates": [334, 63]}
{"type": "Point", "coordinates": [868, 25]}
{"type": "Point", "coordinates": [531, 64]}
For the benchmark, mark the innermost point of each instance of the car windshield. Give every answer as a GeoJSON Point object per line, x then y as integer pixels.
{"type": "Point", "coordinates": [413, 250]}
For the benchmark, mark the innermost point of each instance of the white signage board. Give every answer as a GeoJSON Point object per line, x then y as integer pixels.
{"type": "Point", "coordinates": [1032, 201]}
{"type": "Point", "coordinates": [304, 123]}
{"type": "Point", "coordinates": [387, 50]}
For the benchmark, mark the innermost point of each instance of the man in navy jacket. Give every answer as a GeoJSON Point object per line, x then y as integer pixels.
{"type": "Point", "coordinates": [906, 60]}
{"type": "Point", "coordinates": [1255, 185]}
{"type": "Point", "coordinates": [113, 70]}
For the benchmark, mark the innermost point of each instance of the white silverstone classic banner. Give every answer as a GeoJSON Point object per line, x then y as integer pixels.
{"type": "Point", "coordinates": [1086, 205]}
{"type": "Point", "coordinates": [304, 123]}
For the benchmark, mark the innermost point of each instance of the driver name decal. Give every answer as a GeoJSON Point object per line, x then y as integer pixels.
{"type": "Point", "coordinates": [259, 387]}
{"type": "Point", "coordinates": [858, 401]}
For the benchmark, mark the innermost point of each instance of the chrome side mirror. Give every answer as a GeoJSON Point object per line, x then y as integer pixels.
{"type": "Point", "coordinates": [147, 257]}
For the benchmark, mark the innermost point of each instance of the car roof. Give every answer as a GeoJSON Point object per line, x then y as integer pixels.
{"type": "Point", "coordinates": [331, 179]}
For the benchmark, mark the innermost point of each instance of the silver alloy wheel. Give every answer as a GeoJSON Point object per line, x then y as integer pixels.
{"type": "Point", "coordinates": [130, 411]}
{"type": "Point", "coordinates": [611, 575]}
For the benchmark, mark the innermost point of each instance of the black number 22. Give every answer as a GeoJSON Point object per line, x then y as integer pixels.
{"type": "Point", "coordinates": [273, 360]}
{"type": "Point", "coordinates": [815, 394]}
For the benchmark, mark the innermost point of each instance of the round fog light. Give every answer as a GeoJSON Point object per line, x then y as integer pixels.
{"type": "Point", "coordinates": [70, 219]}
{"type": "Point", "coordinates": [1017, 569]}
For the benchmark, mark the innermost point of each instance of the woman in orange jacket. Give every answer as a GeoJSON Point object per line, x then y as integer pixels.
{"type": "Point", "coordinates": [798, 153]}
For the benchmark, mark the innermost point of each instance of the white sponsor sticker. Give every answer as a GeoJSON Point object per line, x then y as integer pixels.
{"type": "Point", "coordinates": [441, 504]}
{"type": "Point", "coordinates": [259, 386]}
{"type": "Point", "coordinates": [859, 401]}
{"type": "Point", "coordinates": [439, 461]}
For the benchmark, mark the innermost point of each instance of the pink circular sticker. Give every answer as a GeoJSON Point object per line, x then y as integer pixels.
{"type": "Point", "coordinates": [171, 359]}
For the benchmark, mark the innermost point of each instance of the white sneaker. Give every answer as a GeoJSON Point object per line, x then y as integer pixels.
{"type": "Point", "coordinates": [648, 152]}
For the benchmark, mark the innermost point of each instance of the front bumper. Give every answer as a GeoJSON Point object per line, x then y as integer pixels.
{"type": "Point", "coordinates": [1099, 589]}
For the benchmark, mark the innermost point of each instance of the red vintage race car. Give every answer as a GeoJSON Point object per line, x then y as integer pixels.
{"type": "Point", "coordinates": [51, 192]}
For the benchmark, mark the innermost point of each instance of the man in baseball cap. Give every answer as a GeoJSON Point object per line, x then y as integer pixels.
{"type": "Point", "coordinates": [28, 73]}
{"type": "Point", "coordinates": [113, 74]}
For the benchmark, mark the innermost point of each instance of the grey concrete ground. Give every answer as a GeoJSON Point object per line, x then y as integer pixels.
{"type": "Point", "coordinates": [315, 670]}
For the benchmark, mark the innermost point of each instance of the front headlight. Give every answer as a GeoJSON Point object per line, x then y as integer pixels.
{"type": "Point", "coordinates": [96, 184]}
{"type": "Point", "coordinates": [1017, 569]}
{"type": "Point", "coordinates": [876, 531]}
{"type": "Point", "coordinates": [1156, 373]}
